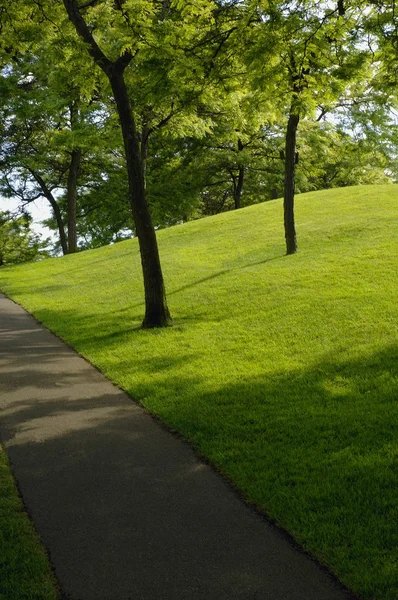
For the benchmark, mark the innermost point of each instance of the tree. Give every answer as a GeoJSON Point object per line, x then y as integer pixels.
{"type": "Point", "coordinates": [311, 56]}
{"type": "Point", "coordinates": [205, 93]}
{"type": "Point", "coordinates": [156, 310]}
{"type": "Point", "coordinates": [17, 241]}
{"type": "Point", "coordinates": [103, 215]}
{"type": "Point", "coordinates": [239, 157]}
{"type": "Point", "coordinates": [50, 131]}
{"type": "Point", "coordinates": [332, 155]}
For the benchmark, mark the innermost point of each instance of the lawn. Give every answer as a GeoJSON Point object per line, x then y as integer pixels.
{"type": "Point", "coordinates": [282, 371]}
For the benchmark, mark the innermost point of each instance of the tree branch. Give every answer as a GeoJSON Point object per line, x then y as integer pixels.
{"type": "Point", "coordinates": [124, 60]}
{"type": "Point", "coordinates": [88, 4]}
{"type": "Point", "coordinates": [84, 32]}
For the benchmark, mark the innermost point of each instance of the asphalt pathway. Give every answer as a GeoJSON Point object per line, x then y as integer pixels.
{"type": "Point", "coordinates": [125, 509]}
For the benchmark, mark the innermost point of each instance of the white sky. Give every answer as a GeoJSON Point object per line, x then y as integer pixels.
{"type": "Point", "coordinates": [39, 209]}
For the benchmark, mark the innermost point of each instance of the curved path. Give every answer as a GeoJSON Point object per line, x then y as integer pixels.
{"type": "Point", "coordinates": [125, 509]}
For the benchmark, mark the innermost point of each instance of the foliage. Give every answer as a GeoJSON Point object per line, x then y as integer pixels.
{"type": "Point", "coordinates": [103, 214]}
{"type": "Point", "coordinates": [211, 85]}
{"type": "Point", "coordinates": [330, 157]}
{"type": "Point", "coordinates": [45, 120]}
{"type": "Point", "coordinates": [18, 243]}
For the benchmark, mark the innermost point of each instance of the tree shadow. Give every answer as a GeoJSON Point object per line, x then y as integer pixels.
{"type": "Point", "coordinates": [124, 508]}
{"type": "Point", "coordinates": [135, 310]}
{"type": "Point", "coordinates": [315, 448]}
{"type": "Point", "coordinates": [222, 272]}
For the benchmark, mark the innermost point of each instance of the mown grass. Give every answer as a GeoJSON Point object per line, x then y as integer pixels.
{"type": "Point", "coordinates": [281, 370]}
{"type": "Point", "coordinates": [24, 569]}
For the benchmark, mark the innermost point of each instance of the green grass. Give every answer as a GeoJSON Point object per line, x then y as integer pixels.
{"type": "Point", "coordinates": [24, 569]}
{"type": "Point", "coordinates": [281, 370]}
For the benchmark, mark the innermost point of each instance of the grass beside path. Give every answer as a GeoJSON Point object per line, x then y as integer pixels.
{"type": "Point", "coordinates": [25, 573]}
{"type": "Point", "coordinates": [281, 370]}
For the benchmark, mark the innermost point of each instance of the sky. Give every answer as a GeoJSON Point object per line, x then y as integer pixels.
{"type": "Point", "coordinates": [39, 209]}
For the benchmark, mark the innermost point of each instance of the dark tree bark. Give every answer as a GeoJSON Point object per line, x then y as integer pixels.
{"type": "Point", "coordinates": [290, 173]}
{"type": "Point", "coordinates": [71, 194]}
{"type": "Point", "coordinates": [71, 190]}
{"type": "Point", "coordinates": [144, 148]}
{"type": "Point", "coordinates": [238, 187]}
{"type": "Point", "coordinates": [238, 180]}
{"type": "Point", "coordinates": [56, 210]}
{"type": "Point", "coordinates": [156, 311]}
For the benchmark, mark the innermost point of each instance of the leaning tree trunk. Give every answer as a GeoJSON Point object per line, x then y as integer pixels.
{"type": "Point", "coordinates": [290, 173]}
{"type": "Point", "coordinates": [71, 198]}
{"type": "Point", "coordinates": [56, 210]}
{"type": "Point", "coordinates": [60, 225]}
{"type": "Point", "coordinates": [156, 310]}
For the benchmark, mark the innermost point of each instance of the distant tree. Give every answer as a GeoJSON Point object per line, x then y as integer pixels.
{"type": "Point", "coordinates": [54, 137]}
{"type": "Point", "coordinates": [103, 214]}
{"type": "Point", "coordinates": [18, 243]}
{"type": "Point", "coordinates": [332, 156]}
{"type": "Point", "coordinates": [304, 55]}
{"type": "Point", "coordinates": [241, 173]}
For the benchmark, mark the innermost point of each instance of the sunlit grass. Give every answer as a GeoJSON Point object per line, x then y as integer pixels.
{"type": "Point", "coordinates": [281, 370]}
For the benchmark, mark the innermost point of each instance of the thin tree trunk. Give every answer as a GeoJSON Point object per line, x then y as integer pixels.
{"type": "Point", "coordinates": [144, 150]}
{"type": "Point", "coordinates": [71, 198]}
{"type": "Point", "coordinates": [290, 173]}
{"type": "Point", "coordinates": [238, 187]}
{"type": "Point", "coordinates": [238, 184]}
{"type": "Point", "coordinates": [56, 210]}
{"type": "Point", "coordinates": [60, 224]}
{"type": "Point", "coordinates": [156, 310]}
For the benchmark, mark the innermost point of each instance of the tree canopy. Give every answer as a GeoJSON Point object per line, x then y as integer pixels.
{"type": "Point", "coordinates": [130, 115]}
{"type": "Point", "coordinates": [18, 243]}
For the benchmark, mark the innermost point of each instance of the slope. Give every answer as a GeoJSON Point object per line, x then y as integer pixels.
{"type": "Point", "coordinates": [280, 370]}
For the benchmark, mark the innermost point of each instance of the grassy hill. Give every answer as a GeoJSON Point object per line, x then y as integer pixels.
{"type": "Point", "coordinates": [280, 370]}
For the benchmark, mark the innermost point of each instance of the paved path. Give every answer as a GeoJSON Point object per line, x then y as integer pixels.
{"type": "Point", "coordinates": [124, 508]}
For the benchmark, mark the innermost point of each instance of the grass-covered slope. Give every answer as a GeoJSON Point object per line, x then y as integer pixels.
{"type": "Point", "coordinates": [281, 370]}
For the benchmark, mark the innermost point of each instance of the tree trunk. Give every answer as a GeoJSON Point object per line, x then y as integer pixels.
{"type": "Point", "coordinates": [71, 198]}
{"type": "Point", "coordinates": [290, 172]}
{"type": "Point", "coordinates": [238, 187]}
{"type": "Point", "coordinates": [238, 184]}
{"type": "Point", "coordinates": [60, 225]}
{"type": "Point", "coordinates": [56, 210]}
{"type": "Point", "coordinates": [156, 311]}
{"type": "Point", "coordinates": [144, 151]}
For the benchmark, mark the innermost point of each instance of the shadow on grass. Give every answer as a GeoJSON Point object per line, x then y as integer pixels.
{"type": "Point", "coordinates": [137, 317]}
{"type": "Point", "coordinates": [222, 272]}
{"type": "Point", "coordinates": [120, 503]}
{"type": "Point", "coordinates": [315, 448]}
